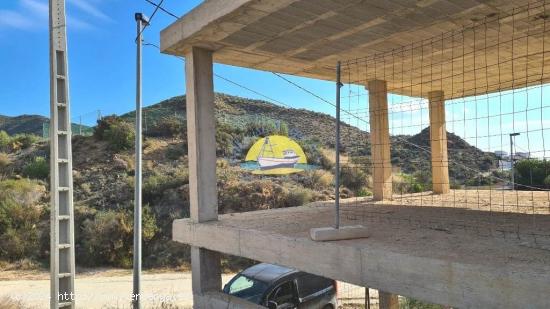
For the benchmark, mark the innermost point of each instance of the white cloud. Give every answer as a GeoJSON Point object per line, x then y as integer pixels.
{"type": "Point", "coordinates": [39, 9]}
{"type": "Point", "coordinates": [90, 9]}
{"type": "Point", "coordinates": [13, 19]}
{"type": "Point", "coordinates": [32, 15]}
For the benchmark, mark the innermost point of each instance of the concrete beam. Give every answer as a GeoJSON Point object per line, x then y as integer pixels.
{"type": "Point", "coordinates": [201, 135]}
{"type": "Point", "coordinates": [438, 142]}
{"type": "Point", "coordinates": [388, 300]}
{"type": "Point", "coordinates": [380, 139]}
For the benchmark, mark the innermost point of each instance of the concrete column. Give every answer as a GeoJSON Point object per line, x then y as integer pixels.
{"type": "Point", "coordinates": [201, 138]}
{"type": "Point", "coordinates": [206, 271]}
{"type": "Point", "coordinates": [438, 141]}
{"type": "Point", "coordinates": [380, 139]}
{"type": "Point", "coordinates": [388, 300]}
{"type": "Point", "coordinates": [201, 135]}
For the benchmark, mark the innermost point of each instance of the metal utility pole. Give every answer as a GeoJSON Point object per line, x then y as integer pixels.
{"type": "Point", "coordinates": [512, 138]}
{"type": "Point", "coordinates": [62, 264]}
{"type": "Point", "coordinates": [337, 178]}
{"type": "Point", "coordinates": [142, 22]}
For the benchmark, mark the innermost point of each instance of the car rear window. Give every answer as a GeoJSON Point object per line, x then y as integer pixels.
{"type": "Point", "coordinates": [309, 284]}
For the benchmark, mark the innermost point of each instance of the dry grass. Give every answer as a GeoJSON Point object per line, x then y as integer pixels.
{"type": "Point", "coordinates": [8, 303]}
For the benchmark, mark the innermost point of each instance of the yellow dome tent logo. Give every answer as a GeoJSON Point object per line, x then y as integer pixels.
{"type": "Point", "coordinates": [276, 155]}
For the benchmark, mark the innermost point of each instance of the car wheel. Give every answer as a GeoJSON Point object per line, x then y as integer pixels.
{"type": "Point", "coordinates": [328, 307]}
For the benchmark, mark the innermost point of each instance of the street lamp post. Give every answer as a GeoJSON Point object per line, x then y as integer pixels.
{"type": "Point", "coordinates": [512, 138]}
{"type": "Point", "coordinates": [142, 21]}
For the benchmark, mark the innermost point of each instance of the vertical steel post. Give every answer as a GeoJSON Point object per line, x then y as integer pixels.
{"type": "Point", "coordinates": [337, 178]}
{"type": "Point", "coordinates": [512, 137]}
{"type": "Point", "coordinates": [141, 21]}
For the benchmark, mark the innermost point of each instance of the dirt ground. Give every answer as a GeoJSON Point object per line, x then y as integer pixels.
{"type": "Point", "coordinates": [112, 288]}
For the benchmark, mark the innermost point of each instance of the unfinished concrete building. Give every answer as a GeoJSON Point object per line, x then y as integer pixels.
{"type": "Point", "coordinates": [459, 247]}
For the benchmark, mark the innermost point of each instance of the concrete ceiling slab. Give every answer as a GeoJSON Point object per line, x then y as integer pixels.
{"type": "Point", "coordinates": [463, 47]}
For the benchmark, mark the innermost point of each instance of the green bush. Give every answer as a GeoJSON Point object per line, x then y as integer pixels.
{"type": "Point", "coordinates": [108, 237]}
{"type": "Point", "coordinates": [154, 185]}
{"type": "Point", "coordinates": [5, 162]}
{"type": "Point", "coordinates": [24, 140]}
{"type": "Point", "coordinates": [4, 140]}
{"type": "Point", "coordinates": [225, 136]}
{"type": "Point", "coordinates": [531, 172]}
{"type": "Point", "coordinates": [353, 178]}
{"type": "Point", "coordinates": [176, 151]}
{"type": "Point", "coordinates": [120, 135]}
{"type": "Point", "coordinates": [103, 124]}
{"type": "Point", "coordinates": [20, 217]}
{"type": "Point", "coordinates": [298, 197]}
{"type": "Point", "coordinates": [38, 168]}
{"type": "Point", "coordinates": [170, 126]}
{"type": "Point", "coordinates": [317, 179]}
{"type": "Point", "coordinates": [265, 127]}
{"type": "Point", "coordinates": [409, 184]}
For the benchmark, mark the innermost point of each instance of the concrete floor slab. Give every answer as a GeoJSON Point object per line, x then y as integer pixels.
{"type": "Point", "coordinates": [411, 251]}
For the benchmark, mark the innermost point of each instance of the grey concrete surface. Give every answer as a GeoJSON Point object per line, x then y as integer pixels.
{"type": "Point", "coordinates": [307, 38]}
{"type": "Point", "coordinates": [451, 267]}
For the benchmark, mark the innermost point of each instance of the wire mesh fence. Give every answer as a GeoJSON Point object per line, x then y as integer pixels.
{"type": "Point", "coordinates": [459, 120]}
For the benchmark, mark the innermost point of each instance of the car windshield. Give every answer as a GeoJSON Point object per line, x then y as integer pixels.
{"type": "Point", "coordinates": [247, 288]}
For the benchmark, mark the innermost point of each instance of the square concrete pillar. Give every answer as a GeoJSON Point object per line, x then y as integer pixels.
{"type": "Point", "coordinates": [380, 139]}
{"type": "Point", "coordinates": [388, 300]}
{"type": "Point", "coordinates": [438, 142]}
{"type": "Point", "coordinates": [201, 137]}
{"type": "Point", "coordinates": [206, 271]}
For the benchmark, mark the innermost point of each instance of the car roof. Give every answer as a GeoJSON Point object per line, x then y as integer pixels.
{"type": "Point", "coordinates": [267, 272]}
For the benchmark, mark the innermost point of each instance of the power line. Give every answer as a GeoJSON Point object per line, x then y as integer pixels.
{"type": "Point", "coordinates": [162, 9]}
{"type": "Point", "coordinates": [231, 81]}
{"type": "Point", "coordinates": [157, 6]}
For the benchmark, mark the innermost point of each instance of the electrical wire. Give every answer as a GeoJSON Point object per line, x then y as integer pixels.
{"type": "Point", "coordinates": [157, 7]}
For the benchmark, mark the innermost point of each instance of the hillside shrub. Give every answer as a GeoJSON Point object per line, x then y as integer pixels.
{"type": "Point", "coordinates": [264, 127]}
{"type": "Point", "coordinates": [5, 162]}
{"type": "Point", "coordinates": [38, 168]}
{"type": "Point", "coordinates": [317, 179]}
{"type": "Point", "coordinates": [531, 172]}
{"type": "Point", "coordinates": [353, 178]}
{"type": "Point", "coordinates": [155, 184]}
{"type": "Point", "coordinates": [168, 126]}
{"type": "Point", "coordinates": [103, 124]}
{"type": "Point", "coordinates": [108, 237]}
{"type": "Point", "coordinates": [4, 140]}
{"type": "Point", "coordinates": [407, 183]}
{"type": "Point", "coordinates": [20, 217]}
{"type": "Point", "coordinates": [225, 136]}
{"type": "Point", "coordinates": [24, 140]}
{"type": "Point", "coordinates": [175, 152]}
{"type": "Point", "coordinates": [120, 135]}
{"type": "Point", "coordinates": [298, 197]}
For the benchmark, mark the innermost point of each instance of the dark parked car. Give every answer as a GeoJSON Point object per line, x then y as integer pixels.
{"type": "Point", "coordinates": [278, 287]}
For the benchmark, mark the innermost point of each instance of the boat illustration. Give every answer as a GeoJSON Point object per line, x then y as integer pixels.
{"type": "Point", "coordinates": [289, 159]}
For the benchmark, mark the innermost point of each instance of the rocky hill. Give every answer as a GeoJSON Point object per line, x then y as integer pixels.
{"type": "Point", "coordinates": [104, 177]}
{"type": "Point", "coordinates": [31, 124]}
{"type": "Point", "coordinates": [407, 150]}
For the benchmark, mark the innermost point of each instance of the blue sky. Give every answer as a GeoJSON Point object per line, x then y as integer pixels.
{"type": "Point", "coordinates": [101, 37]}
